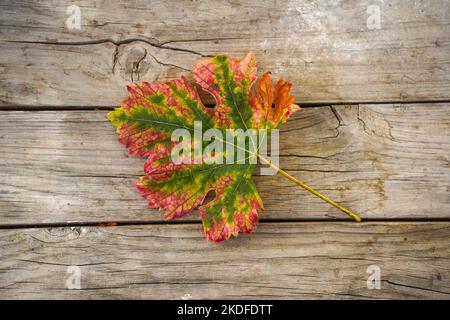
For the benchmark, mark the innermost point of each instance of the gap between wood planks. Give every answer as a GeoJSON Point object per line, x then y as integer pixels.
{"type": "Point", "coordinates": [195, 222]}
{"type": "Point", "coordinates": [328, 104]}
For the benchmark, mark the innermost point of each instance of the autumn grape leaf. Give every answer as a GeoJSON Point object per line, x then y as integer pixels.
{"type": "Point", "coordinates": [152, 112]}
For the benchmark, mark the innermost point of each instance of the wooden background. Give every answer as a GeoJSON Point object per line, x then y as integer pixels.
{"type": "Point", "coordinates": [374, 135]}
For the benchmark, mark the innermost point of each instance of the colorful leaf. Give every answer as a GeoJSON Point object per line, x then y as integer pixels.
{"type": "Point", "coordinates": [153, 111]}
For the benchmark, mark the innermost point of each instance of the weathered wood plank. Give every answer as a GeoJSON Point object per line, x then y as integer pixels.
{"type": "Point", "coordinates": [383, 161]}
{"type": "Point", "coordinates": [325, 48]}
{"type": "Point", "coordinates": [280, 260]}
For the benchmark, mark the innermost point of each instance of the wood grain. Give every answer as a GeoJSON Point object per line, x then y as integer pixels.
{"type": "Point", "coordinates": [386, 161]}
{"type": "Point", "coordinates": [383, 161]}
{"type": "Point", "coordinates": [280, 260]}
{"type": "Point", "coordinates": [325, 48]}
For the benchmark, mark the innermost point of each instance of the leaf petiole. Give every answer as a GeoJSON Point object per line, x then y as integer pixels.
{"type": "Point", "coordinates": [314, 192]}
